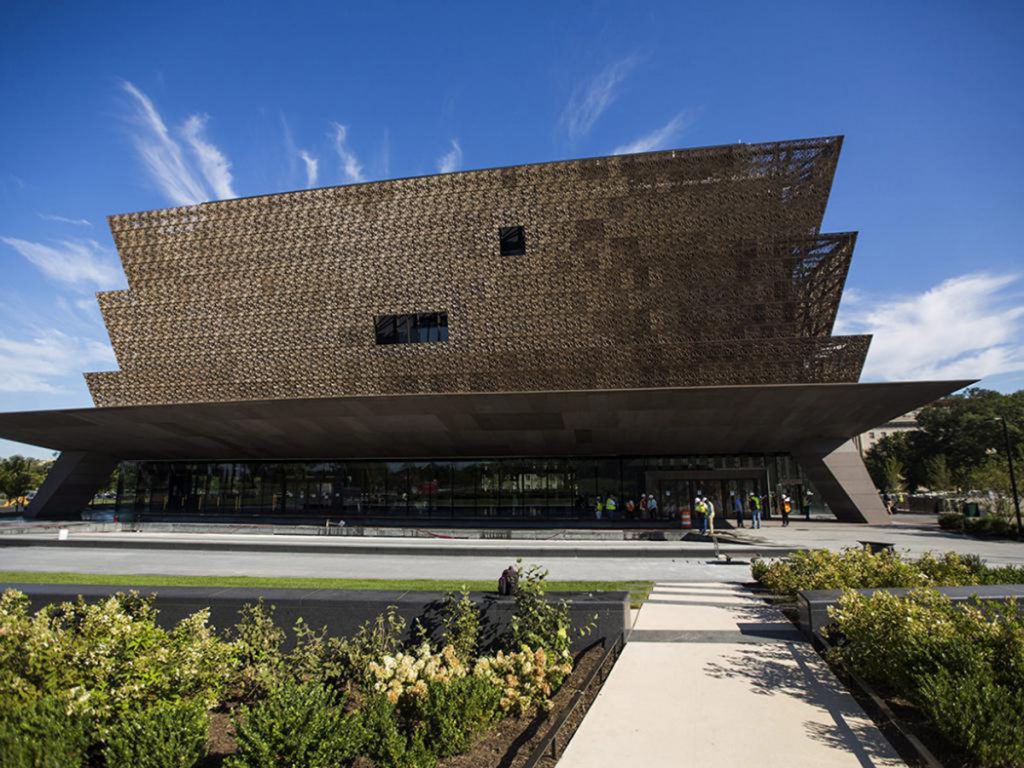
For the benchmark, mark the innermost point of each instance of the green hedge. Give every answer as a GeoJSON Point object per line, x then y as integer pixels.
{"type": "Point", "coordinates": [986, 525]}
{"type": "Point", "coordinates": [858, 568]}
{"type": "Point", "coordinates": [963, 666]}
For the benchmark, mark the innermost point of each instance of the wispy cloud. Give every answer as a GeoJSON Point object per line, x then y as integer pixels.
{"type": "Point", "coordinates": [312, 165]}
{"type": "Point", "coordinates": [161, 154]}
{"type": "Point", "coordinates": [659, 138]}
{"type": "Point", "coordinates": [212, 162]}
{"type": "Point", "coordinates": [590, 99]}
{"type": "Point", "coordinates": [75, 262]}
{"type": "Point", "coordinates": [65, 220]}
{"type": "Point", "coordinates": [970, 326]}
{"type": "Point", "coordinates": [452, 159]}
{"type": "Point", "coordinates": [351, 168]}
{"type": "Point", "coordinates": [37, 363]}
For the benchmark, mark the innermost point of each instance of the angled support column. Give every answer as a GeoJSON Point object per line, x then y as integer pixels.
{"type": "Point", "coordinates": [69, 487]}
{"type": "Point", "coordinates": [840, 476]}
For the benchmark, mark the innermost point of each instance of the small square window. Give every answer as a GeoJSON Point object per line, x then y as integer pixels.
{"type": "Point", "coordinates": [513, 241]}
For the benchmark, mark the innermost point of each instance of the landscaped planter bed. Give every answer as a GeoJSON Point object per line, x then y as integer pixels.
{"type": "Point", "coordinates": [104, 685]}
{"type": "Point", "coordinates": [948, 674]}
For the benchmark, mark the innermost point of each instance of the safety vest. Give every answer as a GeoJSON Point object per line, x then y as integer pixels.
{"type": "Point", "coordinates": [610, 505]}
{"type": "Point", "coordinates": [702, 507]}
{"type": "Point", "coordinates": [599, 506]}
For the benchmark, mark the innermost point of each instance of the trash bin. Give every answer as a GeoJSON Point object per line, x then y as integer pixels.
{"type": "Point", "coordinates": [972, 509]}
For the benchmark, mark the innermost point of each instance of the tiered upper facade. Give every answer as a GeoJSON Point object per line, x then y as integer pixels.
{"type": "Point", "coordinates": [677, 268]}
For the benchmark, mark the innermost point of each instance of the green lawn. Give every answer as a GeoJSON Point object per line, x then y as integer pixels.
{"type": "Point", "coordinates": [638, 590]}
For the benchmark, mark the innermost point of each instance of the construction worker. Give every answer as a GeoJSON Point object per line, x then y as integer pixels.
{"type": "Point", "coordinates": [754, 505]}
{"type": "Point", "coordinates": [711, 514]}
{"type": "Point", "coordinates": [598, 508]}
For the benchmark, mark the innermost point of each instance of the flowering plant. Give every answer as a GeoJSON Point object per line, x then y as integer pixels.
{"type": "Point", "coordinates": [525, 677]}
{"type": "Point", "coordinates": [409, 673]}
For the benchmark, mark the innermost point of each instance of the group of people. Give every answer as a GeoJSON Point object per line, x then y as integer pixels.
{"type": "Point", "coordinates": [608, 508]}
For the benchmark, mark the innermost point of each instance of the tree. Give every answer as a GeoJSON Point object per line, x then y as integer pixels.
{"type": "Point", "coordinates": [19, 474]}
{"type": "Point", "coordinates": [937, 474]}
{"type": "Point", "coordinates": [893, 475]}
{"type": "Point", "coordinates": [895, 447]}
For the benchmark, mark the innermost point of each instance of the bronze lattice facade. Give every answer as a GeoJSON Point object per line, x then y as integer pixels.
{"type": "Point", "coordinates": [667, 269]}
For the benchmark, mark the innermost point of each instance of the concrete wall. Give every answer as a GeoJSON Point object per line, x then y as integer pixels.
{"type": "Point", "coordinates": [341, 611]}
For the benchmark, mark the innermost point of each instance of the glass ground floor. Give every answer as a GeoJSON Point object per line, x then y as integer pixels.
{"type": "Point", "coordinates": [516, 491]}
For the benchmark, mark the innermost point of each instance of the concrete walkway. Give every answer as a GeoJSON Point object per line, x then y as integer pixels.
{"type": "Point", "coordinates": [714, 676]}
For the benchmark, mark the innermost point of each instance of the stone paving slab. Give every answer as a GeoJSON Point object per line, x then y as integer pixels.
{"type": "Point", "coordinates": [725, 684]}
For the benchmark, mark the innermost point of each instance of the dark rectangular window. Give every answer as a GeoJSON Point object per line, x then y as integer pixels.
{"type": "Point", "coordinates": [513, 241]}
{"type": "Point", "coordinates": [412, 329]}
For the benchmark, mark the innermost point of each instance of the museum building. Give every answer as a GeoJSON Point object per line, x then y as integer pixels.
{"type": "Point", "coordinates": [501, 346]}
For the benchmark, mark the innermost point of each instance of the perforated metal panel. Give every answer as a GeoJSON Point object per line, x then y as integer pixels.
{"type": "Point", "coordinates": [680, 268]}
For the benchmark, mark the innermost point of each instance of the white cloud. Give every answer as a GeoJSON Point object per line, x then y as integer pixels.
{"type": "Point", "coordinates": [162, 155]}
{"type": "Point", "coordinates": [659, 138]}
{"type": "Point", "coordinates": [312, 165]}
{"type": "Point", "coordinates": [350, 166]}
{"type": "Point", "coordinates": [590, 99]}
{"type": "Point", "coordinates": [970, 326]}
{"type": "Point", "coordinates": [212, 162]}
{"type": "Point", "coordinates": [65, 220]}
{"type": "Point", "coordinates": [36, 364]}
{"type": "Point", "coordinates": [74, 262]}
{"type": "Point", "coordinates": [452, 160]}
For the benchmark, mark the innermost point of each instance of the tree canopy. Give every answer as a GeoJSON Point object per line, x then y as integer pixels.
{"type": "Point", "coordinates": [20, 474]}
{"type": "Point", "coordinates": [959, 444]}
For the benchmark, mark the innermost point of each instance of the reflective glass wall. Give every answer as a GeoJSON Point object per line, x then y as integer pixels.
{"type": "Point", "coordinates": [524, 489]}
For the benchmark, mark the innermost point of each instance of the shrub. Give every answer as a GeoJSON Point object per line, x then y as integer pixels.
{"type": "Point", "coordinates": [372, 642]}
{"type": "Point", "coordinates": [525, 677]}
{"type": "Point", "coordinates": [256, 643]}
{"type": "Point", "coordinates": [858, 568]}
{"type": "Point", "coordinates": [962, 665]}
{"type": "Point", "coordinates": [297, 724]}
{"type": "Point", "coordinates": [951, 521]}
{"type": "Point", "coordinates": [460, 618]}
{"type": "Point", "coordinates": [107, 659]}
{"type": "Point", "coordinates": [169, 734]}
{"type": "Point", "coordinates": [536, 622]}
{"type": "Point", "coordinates": [456, 713]}
{"type": "Point", "coordinates": [825, 569]}
{"type": "Point", "coordinates": [385, 743]}
{"type": "Point", "coordinates": [41, 734]}
{"type": "Point", "coordinates": [408, 674]}
{"type": "Point", "coordinates": [974, 712]}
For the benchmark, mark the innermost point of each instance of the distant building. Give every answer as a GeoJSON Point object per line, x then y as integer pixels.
{"type": "Point", "coordinates": [905, 423]}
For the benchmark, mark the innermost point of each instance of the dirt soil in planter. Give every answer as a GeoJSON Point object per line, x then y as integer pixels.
{"type": "Point", "coordinates": [510, 743]}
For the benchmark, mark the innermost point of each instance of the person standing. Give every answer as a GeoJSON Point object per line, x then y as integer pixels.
{"type": "Point", "coordinates": [611, 506]}
{"type": "Point", "coordinates": [711, 514]}
{"type": "Point", "coordinates": [652, 507]}
{"type": "Point", "coordinates": [598, 508]}
{"type": "Point", "coordinates": [737, 507]}
{"type": "Point", "coordinates": [754, 504]}
{"type": "Point", "coordinates": [643, 506]}
{"type": "Point", "coordinates": [630, 510]}
{"type": "Point", "coordinates": [786, 508]}
{"type": "Point", "coordinates": [701, 508]}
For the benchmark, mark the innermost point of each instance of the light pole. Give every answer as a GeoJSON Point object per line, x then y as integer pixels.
{"type": "Point", "coordinates": [1013, 477]}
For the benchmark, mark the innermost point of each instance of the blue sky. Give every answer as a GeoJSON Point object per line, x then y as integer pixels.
{"type": "Point", "coordinates": [117, 107]}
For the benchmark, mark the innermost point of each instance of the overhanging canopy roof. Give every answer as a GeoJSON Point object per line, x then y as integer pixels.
{"type": "Point", "coordinates": [674, 421]}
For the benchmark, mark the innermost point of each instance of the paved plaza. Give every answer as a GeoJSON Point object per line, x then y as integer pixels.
{"type": "Point", "coordinates": [436, 558]}
{"type": "Point", "coordinates": [714, 676]}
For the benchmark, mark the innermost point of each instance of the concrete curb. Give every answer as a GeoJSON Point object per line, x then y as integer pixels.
{"type": "Point", "coordinates": [513, 550]}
